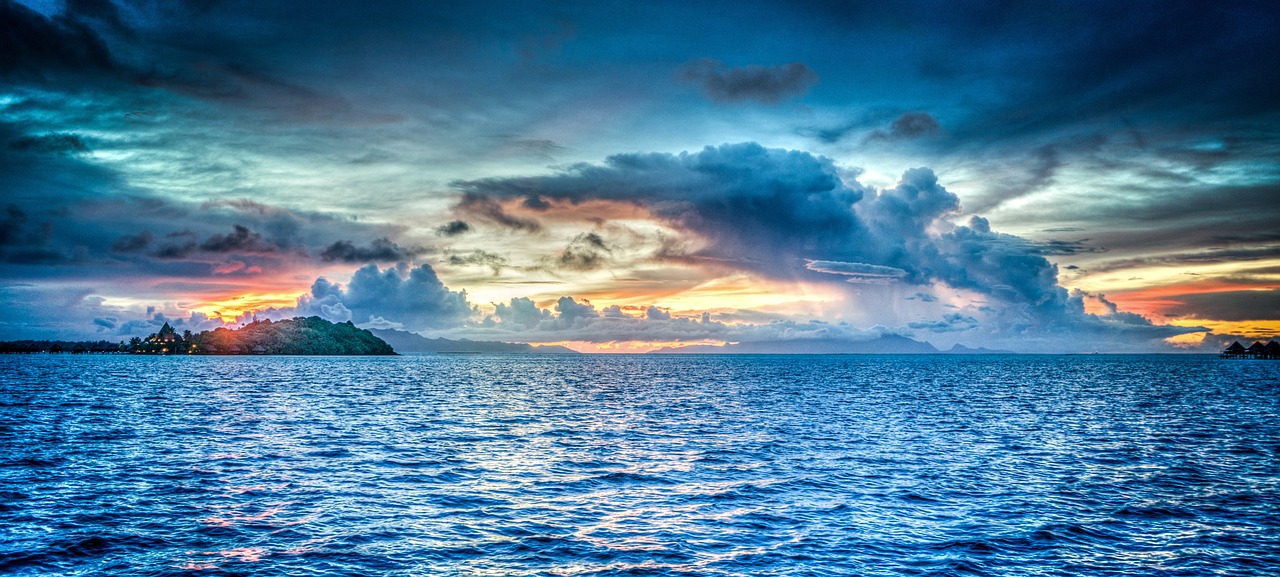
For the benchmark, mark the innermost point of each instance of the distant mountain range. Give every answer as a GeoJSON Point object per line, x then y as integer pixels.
{"type": "Point", "coordinates": [883, 345]}
{"type": "Point", "coordinates": [959, 349]}
{"type": "Point", "coordinates": [407, 342]}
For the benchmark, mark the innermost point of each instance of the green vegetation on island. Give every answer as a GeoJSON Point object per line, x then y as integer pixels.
{"type": "Point", "coordinates": [296, 336]}
{"type": "Point", "coordinates": [310, 335]}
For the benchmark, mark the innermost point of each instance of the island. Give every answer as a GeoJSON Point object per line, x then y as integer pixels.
{"type": "Point", "coordinates": [296, 336]}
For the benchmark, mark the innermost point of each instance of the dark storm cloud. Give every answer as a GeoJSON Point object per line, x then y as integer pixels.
{"type": "Point", "coordinates": [35, 48]}
{"type": "Point", "coordinates": [17, 230]}
{"type": "Point", "coordinates": [487, 209]}
{"type": "Point", "coordinates": [909, 125]}
{"type": "Point", "coordinates": [103, 11]}
{"type": "Point", "coordinates": [239, 240]}
{"type": "Point", "coordinates": [70, 51]}
{"type": "Point", "coordinates": [176, 245]}
{"type": "Point", "coordinates": [66, 210]}
{"type": "Point", "coordinates": [763, 84]}
{"type": "Point", "coordinates": [55, 143]}
{"type": "Point", "coordinates": [494, 261]}
{"type": "Point", "coordinates": [453, 228]}
{"type": "Point", "coordinates": [184, 244]}
{"type": "Point", "coordinates": [132, 242]}
{"type": "Point", "coordinates": [1063, 64]}
{"type": "Point", "coordinates": [27, 242]}
{"type": "Point", "coordinates": [587, 251]}
{"type": "Point", "coordinates": [755, 206]}
{"type": "Point", "coordinates": [380, 250]}
{"type": "Point", "coordinates": [239, 85]}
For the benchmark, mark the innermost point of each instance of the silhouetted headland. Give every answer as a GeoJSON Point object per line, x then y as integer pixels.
{"type": "Point", "coordinates": [296, 336]}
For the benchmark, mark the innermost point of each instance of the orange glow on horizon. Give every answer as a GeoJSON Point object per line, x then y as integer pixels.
{"type": "Point", "coordinates": [231, 307]}
{"type": "Point", "coordinates": [1188, 340]}
{"type": "Point", "coordinates": [1154, 301]}
{"type": "Point", "coordinates": [1257, 329]}
{"type": "Point", "coordinates": [631, 347]}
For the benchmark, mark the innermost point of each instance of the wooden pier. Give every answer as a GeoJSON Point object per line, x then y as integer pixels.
{"type": "Point", "coordinates": [1269, 351]}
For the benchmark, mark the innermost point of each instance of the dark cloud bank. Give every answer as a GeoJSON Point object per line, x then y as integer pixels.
{"type": "Point", "coordinates": [763, 84]}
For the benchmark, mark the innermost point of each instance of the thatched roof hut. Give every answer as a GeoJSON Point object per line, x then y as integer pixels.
{"type": "Point", "coordinates": [1257, 350]}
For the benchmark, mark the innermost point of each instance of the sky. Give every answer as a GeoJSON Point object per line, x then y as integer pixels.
{"type": "Point", "coordinates": [620, 176]}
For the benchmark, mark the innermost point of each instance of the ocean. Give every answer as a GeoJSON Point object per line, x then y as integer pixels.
{"type": "Point", "coordinates": [580, 465]}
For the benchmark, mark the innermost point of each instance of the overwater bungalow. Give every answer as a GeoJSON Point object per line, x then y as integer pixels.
{"type": "Point", "coordinates": [1269, 351]}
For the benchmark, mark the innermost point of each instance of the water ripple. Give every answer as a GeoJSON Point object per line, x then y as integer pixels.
{"type": "Point", "coordinates": [639, 465]}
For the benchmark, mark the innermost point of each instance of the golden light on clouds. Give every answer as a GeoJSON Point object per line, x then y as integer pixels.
{"type": "Point", "coordinates": [1161, 277]}
{"type": "Point", "coordinates": [232, 306]}
{"type": "Point", "coordinates": [744, 292]}
{"type": "Point", "coordinates": [1256, 329]}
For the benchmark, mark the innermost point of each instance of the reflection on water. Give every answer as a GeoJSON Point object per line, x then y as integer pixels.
{"type": "Point", "coordinates": [601, 465]}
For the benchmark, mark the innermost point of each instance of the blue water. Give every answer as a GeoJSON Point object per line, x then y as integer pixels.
{"type": "Point", "coordinates": [639, 465]}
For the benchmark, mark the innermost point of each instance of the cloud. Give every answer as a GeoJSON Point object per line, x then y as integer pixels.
{"type": "Point", "coordinates": [494, 261]}
{"type": "Point", "coordinates": [240, 240]}
{"type": "Point", "coordinates": [176, 245]}
{"type": "Point", "coordinates": [763, 84]}
{"type": "Point", "coordinates": [752, 207]}
{"type": "Point", "coordinates": [103, 11]}
{"type": "Point", "coordinates": [183, 244]}
{"type": "Point", "coordinates": [413, 298]}
{"type": "Point", "coordinates": [520, 312]}
{"type": "Point", "coordinates": [380, 250]}
{"type": "Point", "coordinates": [656, 314]}
{"type": "Point", "coordinates": [27, 243]}
{"type": "Point", "coordinates": [453, 228]}
{"type": "Point", "coordinates": [784, 213]}
{"type": "Point", "coordinates": [52, 143]}
{"type": "Point", "coordinates": [908, 126]}
{"type": "Point", "coordinates": [585, 252]}
{"type": "Point", "coordinates": [489, 210]}
{"type": "Point", "coordinates": [573, 320]}
{"type": "Point", "coordinates": [948, 323]}
{"type": "Point", "coordinates": [1242, 305]}
{"type": "Point", "coordinates": [858, 272]}
{"type": "Point", "coordinates": [1035, 171]}
{"type": "Point", "coordinates": [540, 148]}
{"type": "Point", "coordinates": [132, 242]}
{"type": "Point", "coordinates": [36, 48]}
{"type": "Point", "coordinates": [17, 230]}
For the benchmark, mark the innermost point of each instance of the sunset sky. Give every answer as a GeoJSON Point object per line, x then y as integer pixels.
{"type": "Point", "coordinates": [1029, 176]}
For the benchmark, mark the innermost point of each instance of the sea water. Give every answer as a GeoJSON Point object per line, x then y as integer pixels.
{"type": "Point", "coordinates": [639, 465]}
